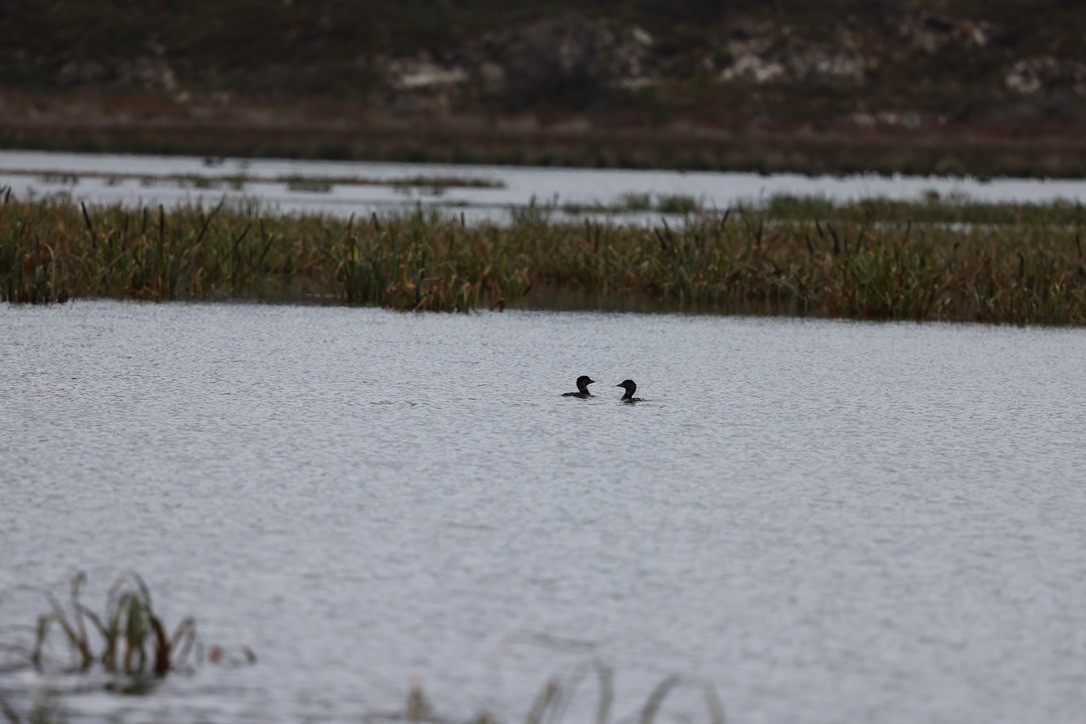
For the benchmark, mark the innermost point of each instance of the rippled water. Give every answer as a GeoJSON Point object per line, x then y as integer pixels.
{"type": "Point", "coordinates": [829, 521]}
{"type": "Point", "coordinates": [28, 172]}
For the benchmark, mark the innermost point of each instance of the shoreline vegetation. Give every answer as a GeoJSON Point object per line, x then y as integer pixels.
{"type": "Point", "coordinates": [983, 152]}
{"type": "Point", "coordinates": [873, 260]}
{"type": "Point", "coordinates": [956, 87]}
{"type": "Point", "coordinates": [435, 185]}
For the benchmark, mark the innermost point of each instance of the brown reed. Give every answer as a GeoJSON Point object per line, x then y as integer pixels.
{"type": "Point", "coordinates": [1019, 264]}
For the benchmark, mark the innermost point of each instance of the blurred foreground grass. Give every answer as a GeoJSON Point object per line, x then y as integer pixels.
{"type": "Point", "coordinates": [128, 641]}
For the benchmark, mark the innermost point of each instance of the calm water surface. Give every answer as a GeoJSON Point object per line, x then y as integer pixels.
{"type": "Point", "coordinates": [150, 182]}
{"type": "Point", "coordinates": [829, 521]}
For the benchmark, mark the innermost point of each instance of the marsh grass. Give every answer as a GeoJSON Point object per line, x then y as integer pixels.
{"type": "Point", "coordinates": [631, 203]}
{"type": "Point", "coordinates": [60, 179]}
{"type": "Point", "coordinates": [635, 202]}
{"type": "Point", "coordinates": [677, 204]}
{"type": "Point", "coordinates": [434, 184]}
{"type": "Point", "coordinates": [553, 700]}
{"type": "Point", "coordinates": [933, 208]}
{"type": "Point", "coordinates": [552, 703]}
{"type": "Point", "coordinates": [1023, 264]}
{"type": "Point", "coordinates": [128, 640]}
{"type": "Point", "coordinates": [311, 185]}
{"type": "Point", "coordinates": [201, 182]}
{"type": "Point", "coordinates": [126, 637]}
{"type": "Point", "coordinates": [785, 151]}
{"type": "Point", "coordinates": [439, 182]}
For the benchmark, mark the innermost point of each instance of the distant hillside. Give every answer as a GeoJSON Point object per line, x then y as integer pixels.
{"type": "Point", "coordinates": [1002, 68]}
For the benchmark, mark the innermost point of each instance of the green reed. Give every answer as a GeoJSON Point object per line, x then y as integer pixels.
{"type": "Point", "coordinates": [126, 637]}
{"type": "Point", "coordinates": [1020, 264]}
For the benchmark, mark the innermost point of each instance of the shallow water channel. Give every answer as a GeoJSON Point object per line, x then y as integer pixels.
{"type": "Point", "coordinates": [828, 521]}
{"type": "Point", "coordinates": [354, 188]}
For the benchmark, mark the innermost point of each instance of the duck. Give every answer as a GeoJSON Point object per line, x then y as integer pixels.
{"type": "Point", "coordinates": [630, 386]}
{"type": "Point", "coordinates": [582, 388]}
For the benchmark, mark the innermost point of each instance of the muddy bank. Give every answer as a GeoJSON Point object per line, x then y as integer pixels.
{"type": "Point", "coordinates": [135, 126]}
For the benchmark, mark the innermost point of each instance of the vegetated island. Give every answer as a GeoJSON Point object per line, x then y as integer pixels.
{"type": "Point", "coordinates": [954, 87]}
{"type": "Point", "coordinates": [880, 260]}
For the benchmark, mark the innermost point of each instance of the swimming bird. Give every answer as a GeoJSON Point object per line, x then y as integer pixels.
{"type": "Point", "coordinates": [630, 386]}
{"type": "Point", "coordinates": [582, 388]}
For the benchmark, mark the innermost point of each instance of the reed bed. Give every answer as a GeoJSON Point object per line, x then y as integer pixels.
{"type": "Point", "coordinates": [788, 150]}
{"type": "Point", "coordinates": [1022, 264]}
{"type": "Point", "coordinates": [674, 204]}
{"type": "Point", "coordinates": [933, 208]}
{"type": "Point", "coordinates": [237, 181]}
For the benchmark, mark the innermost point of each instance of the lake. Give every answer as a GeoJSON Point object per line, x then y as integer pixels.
{"type": "Point", "coordinates": [828, 521]}
{"type": "Point", "coordinates": [172, 180]}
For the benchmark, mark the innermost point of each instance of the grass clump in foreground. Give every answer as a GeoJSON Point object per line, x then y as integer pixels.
{"type": "Point", "coordinates": [1019, 264]}
{"type": "Point", "coordinates": [127, 638]}
{"type": "Point", "coordinates": [553, 701]}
